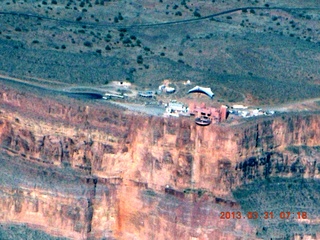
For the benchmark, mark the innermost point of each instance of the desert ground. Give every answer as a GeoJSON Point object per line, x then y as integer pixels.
{"type": "Point", "coordinates": [261, 51]}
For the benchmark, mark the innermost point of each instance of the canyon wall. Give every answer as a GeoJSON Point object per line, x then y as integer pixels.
{"type": "Point", "coordinates": [140, 177]}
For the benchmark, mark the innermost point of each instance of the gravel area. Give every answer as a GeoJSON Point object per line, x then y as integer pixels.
{"type": "Point", "coordinates": [154, 110]}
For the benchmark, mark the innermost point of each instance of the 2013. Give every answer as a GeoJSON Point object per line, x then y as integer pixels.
{"type": "Point", "coordinates": [232, 215]}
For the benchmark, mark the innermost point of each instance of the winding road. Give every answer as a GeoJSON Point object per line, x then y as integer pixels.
{"type": "Point", "coordinates": [147, 25]}
{"type": "Point", "coordinates": [57, 86]}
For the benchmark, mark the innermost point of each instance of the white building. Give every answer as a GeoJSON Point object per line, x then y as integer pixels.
{"type": "Point", "coordinates": [164, 88]}
{"type": "Point", "coordinates": [239, 107]}
{"type": "Point", "coordinates": [175, 108]}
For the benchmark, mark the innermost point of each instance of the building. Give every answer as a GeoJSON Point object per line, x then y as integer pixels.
{"type": "Point", "coordinates": [147, 94]}
{"type": "Point", "coordinates": [239, 107]}
{"type": "Point", "coordinates": [166, 89]}
{"type": "Point", "coordinates": [214, 114]}
{"type": "Point", "coordinates": [203, 90]}
{"type": "Point", "coordinates": [176, 109]}
{"type": "Point", "coordinates": [170, 90]}
{"type": "Point", "coordinates": [223, 113]}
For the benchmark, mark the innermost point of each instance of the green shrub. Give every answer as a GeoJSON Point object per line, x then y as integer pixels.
{"type": "Point", "coordinates": [126, 41]}
{"type": "Point", "coordinates": [87, 44]}
{"type": "Point", "coordinates": [120, 17]}
{"type": "Point", "coordinates": [293, 149]}
{"type": "Point", "coordinates": [196, 14]}
{"type": "Point", "coordinates": [139, 59]}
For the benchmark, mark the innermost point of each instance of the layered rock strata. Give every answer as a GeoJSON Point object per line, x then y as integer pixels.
{"type": "Point", "coordinates": [92, 171]}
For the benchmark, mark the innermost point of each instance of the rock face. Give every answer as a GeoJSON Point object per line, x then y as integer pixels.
{"type": "Point", "coordinates": [93, 172]}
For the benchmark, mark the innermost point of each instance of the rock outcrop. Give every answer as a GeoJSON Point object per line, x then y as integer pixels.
{"type": "Point", "coordinates": [101, 173]}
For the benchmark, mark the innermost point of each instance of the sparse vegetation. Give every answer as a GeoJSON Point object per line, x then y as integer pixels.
{"type": "Point", "coordinates": [274, 30]}
{"type": "Point", "coordinates": [13, 232]}
{"type": "Point", "coordinates": [252, 56]}
{"type": "Point", "coordinates": [199, 192]}
{"type": "Point", "coordinates": [281, 195]}
{"type": "Point", "coordinates": [150, 192]}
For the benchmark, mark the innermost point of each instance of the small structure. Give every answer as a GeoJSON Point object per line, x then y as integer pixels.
{"type": "Point", "coordinates": [162, 87]}
{"type": "Point", "coordinates": [166, 89]}
{"type": "Point", "coordinates": [176, 109]}
{"type": "Point", "coordinates": [239, 107]}
{"type": "Point", "coordinates": [110, 95]}
{"type": "Point", "coordinates": [256, 112]}
{"type": "Point", "coordinates": [203, 121]}
{"type": "Point", "coordinates": [147, 94]}
{"type": "Point", "coordinates": [203, 90]}
{"type": "Point", "coordinates": [170, 90]}
{"type": "Point", "coordinates": [247, 113]}
{"type": "Point", "coordinates": [188, 82]}
{"type": "Point", "coordinates": [269, 112]}
{"type": "Point", "coordinates": [223, 113]}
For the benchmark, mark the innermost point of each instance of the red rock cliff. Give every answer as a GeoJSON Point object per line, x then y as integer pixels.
{"type": "Point", "coordinates": [140, 177]}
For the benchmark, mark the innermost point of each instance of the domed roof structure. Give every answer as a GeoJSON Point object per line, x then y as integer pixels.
{"type": "Point", "coordinates": [203, 90]}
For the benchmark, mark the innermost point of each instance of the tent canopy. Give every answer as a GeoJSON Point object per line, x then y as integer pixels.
{"type": "Point", "coordinates": [203, 90]}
